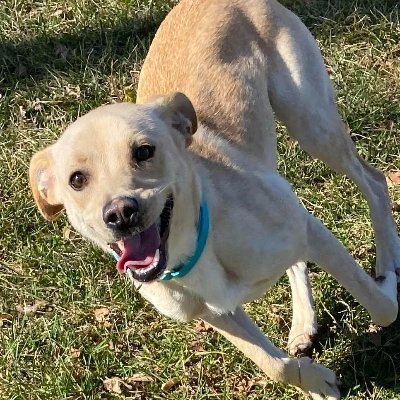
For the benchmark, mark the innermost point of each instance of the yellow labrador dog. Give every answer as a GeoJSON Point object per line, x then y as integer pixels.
{"type": "Point", "coordinates": [186, 195]}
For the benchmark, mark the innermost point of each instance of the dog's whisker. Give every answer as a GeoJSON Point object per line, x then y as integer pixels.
{"type": "Point", "coordinates": [161, 189]}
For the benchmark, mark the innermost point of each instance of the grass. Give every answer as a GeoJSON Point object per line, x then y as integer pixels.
{"type": "Point", "coordinates": [67, 320]}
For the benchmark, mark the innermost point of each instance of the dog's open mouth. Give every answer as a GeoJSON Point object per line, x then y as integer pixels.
{"type": "Point", "coordinates": [145, 253]}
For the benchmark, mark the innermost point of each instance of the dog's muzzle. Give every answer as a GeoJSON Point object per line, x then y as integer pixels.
{"type": "Point", "coordinates": [144, 253]}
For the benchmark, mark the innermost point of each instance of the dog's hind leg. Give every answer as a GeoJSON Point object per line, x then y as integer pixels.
{"type": "Point", "coordinates": [304, 323]}
{"type": "Point", "coordinates": [378, 296]}
{"type": "Point", "coordinates": [335, 147]}
{"type": "Point", "coordinates": [302, 97]}
{"type": "Point", "coordinates": [239, 329]}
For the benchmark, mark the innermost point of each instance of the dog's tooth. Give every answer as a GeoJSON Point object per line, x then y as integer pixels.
{"type": "Point", "coordinates": [157, 256]}
{"type": "Point", "coordinates": [156, 259]}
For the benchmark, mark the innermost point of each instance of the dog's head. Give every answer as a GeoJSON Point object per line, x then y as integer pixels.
{"type": "Point", "coordinates": [116, 171]}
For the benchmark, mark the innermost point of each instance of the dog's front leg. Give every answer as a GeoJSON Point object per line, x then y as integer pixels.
{"type": "Point", "coordinates": [313, 378]}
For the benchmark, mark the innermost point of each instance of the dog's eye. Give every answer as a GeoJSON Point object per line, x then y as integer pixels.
{"type": "Point", "coordinates": [143, 153]}
{"type": "Point", "coordinates": [77, 180]}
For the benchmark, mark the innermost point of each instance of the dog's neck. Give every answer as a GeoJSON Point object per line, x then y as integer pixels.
{"type": "Point", "coordinates": [183, 235]}
{"type": "Point", "coordinates": [202, 226]}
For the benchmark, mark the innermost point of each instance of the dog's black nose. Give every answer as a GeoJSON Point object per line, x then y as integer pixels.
{"type": "Point", "coordinates": [121, 213]}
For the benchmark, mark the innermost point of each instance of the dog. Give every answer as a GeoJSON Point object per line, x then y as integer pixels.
{"type": "Point", "coordinates": [182, 187]}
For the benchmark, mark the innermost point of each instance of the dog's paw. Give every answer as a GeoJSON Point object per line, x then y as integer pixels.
{"type": "Point", "coordinates": [301, 340]}
{"type": "Point", "coordinates": [318, 381]}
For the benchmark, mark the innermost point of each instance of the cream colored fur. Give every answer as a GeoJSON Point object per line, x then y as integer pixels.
{"type": "Point", "coordinates": [241, 63]}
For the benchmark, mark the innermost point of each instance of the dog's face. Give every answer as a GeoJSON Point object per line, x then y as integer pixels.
{"type": "Point", "coordinates": [115, 172]}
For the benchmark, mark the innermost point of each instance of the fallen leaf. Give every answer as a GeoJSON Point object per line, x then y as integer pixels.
{"type": "Point", "coordinates": [170, 383]}
{"type": "Point", "coordinates": [113, 384]}
{"type": "Point", "coordinates": [243, 385]}
{"type": "Point", "coordinates": [116, 385]}
{"type": "Point", "coordinates": [392, 178]}
{"type": "Point", "coordinates": [74, 353]}
{"type": "Point", "coordinates": [107, 324]}
{"type": "Point", "coordinates": [100, 314]}
{"type": "Point", "coordinates": [196, 346]}
{"type": "Point", "coordinates": [201, 326]}
{"type": "Point", "coordinates": [37, 306]}
{"type": "Point", "coordinates": [139, 377]}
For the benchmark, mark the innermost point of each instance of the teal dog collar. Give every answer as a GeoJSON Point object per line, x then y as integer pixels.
{"type": "Point", "coordinates": [203, 226]}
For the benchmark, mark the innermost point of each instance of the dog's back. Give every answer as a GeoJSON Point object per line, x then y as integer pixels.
{"type": "Point", "coordinates": [214, 52]}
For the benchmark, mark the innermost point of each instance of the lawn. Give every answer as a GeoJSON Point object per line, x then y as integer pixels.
{"type": "Point", "coordinates": [69, 323]}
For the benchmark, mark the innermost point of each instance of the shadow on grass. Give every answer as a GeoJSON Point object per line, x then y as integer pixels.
{"type": "Point", "coordinates": [374, 360]}
{"type": "Point", "coordinates": [42, 55]}
{"type": "Point", "coordinates": [373, 356]}
{"type": "Point", "coordinates": [72, 52]}
{"type": "Point", "coordinates": [339, 12]}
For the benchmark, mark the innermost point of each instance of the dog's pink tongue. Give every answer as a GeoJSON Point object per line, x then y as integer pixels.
{"type": "Point", "coordinates": [140, 249]}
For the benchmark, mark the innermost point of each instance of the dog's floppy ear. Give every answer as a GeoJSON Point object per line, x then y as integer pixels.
{"type": "Point", "coordinates": [178, 110]}
{"type": "Point", "coordinates": [42, 182]}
